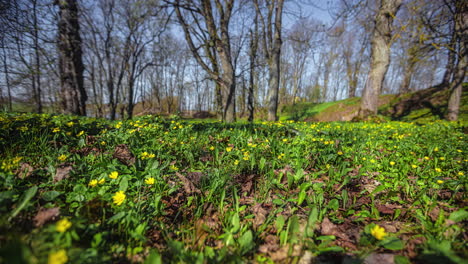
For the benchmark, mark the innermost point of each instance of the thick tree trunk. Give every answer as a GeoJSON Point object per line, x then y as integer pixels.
{"type": "Point", "coordinates": [380, 56]}
{"type": "Point", "coordinates": [456, 87]}
{"type": "Point", "coordinates": [71, 65]}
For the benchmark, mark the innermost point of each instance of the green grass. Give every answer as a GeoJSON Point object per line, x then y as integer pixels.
{"type": "Point", "coordinates": [174, 191]}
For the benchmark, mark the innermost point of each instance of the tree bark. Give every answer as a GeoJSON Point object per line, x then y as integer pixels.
{"type": "Point", "coordinates": [70, 61]}
{"type": "Point", "coordinates": [252, 59]}
{"type": "Point", "coordinates": [380, 56]}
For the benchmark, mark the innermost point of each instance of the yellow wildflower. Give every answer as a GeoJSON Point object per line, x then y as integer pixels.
{"type": "Point", "coordinates": [440, 181]}
{"type": "Point", "coordinates": [101, 181]}
{"type": "Point", "coordinates": [63, 225]}
{"type": "Point", "coordinates": [149, 181]}
{"type": "Point", "coordinates": [70, 124]}
{"type": "Point", "coordinates": [442, 158]}
{"type": "Point", "coordinates": [236, 162]}
{"type": "Point", "coordinates": [438, 170]}
{"type": "Point", "coordinates": [436, 149]}
{"type": "Point", "coordinates": [55, 130]}
{"type": "Point", "coordinates": [212, 148]}
{"type": "Point", "coordinates": [426, 158]}
{"type": "Point", "coordinates": [119, 197]}
{"type": "Point", "coordinates": [340, 152]}
{"type": "Point", "coordinates": [229, 149]}
{"type": "Point", "coordinates": [392, 163]}
{"type": "Point", "coordinates": [58, 257]}
{"type": "Point", "coordinates": [113, 175]}
{"type": "Point", "coordinates": [378, 232]}
{"type": "Point", "coordinates": [93, 183]}
{"type": "Point", "coordinates": [62, 157]}
{"type": "Point", "coordinates": [461, 173]}
{"type": "Point", "coordinates": [414, 166]}
{"type": "Point", "coordinates": [80, 133]}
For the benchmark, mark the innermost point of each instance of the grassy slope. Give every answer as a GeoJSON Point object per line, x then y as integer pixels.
{"type": "Point", "coordinates": [423, 105]}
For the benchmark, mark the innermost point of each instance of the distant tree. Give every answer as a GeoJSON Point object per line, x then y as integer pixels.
{"type": "Point", "coordinates": [73, 93]}
{"type": "Point", "coordinates": [380, 56]}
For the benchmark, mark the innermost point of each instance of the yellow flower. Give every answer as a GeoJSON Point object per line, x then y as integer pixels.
{"type": "Point", "coordinates": [426, 158]}
{"type": "Point", "coordinates": [103, 143]}
{"type": "Point", "coordinates": [113, 175]}
{"type": "Point", "coordinates": [460, 173]}
{"type": "Point", "coordinates": [364, 158]}
{"type": "Point", "coordinates": [440, 181]}
{"type": "Point", "coordinates": [63, 225]}
{"type": "Point", "coordinates": [93, 183]}
{"type": "Point", "coordinates": [414, 166]}
{"type": "Point", "coordinates": [58, 257]}
{"type": "Point", "coordinates": [119, 197]}
{"type": "Point", "coordinates": [378, 232]}
{"type": "Point", "coordinates": [173, 167]}
{"type": "Point", "coordinates": [459, 151]}
{"type": "Point", "coordinates": [228, 149]}
{"type": "Point", "coordinates": [436, 149]}
{"type": "Point", "coordinates": [70, 124]}
{"type": "Point", "coordinates": [285, 140]}
{"type": "Point", "coordinates": [212, 148]}
{"type": "Point", "coordinates": [438, 170]}
{"type": "Point", "coordinates": [55, 130]}
{"type": "Point", "coordinates": [340, 152]}
{"type": "Point", "coordinates": [101, 181]}
{"type": "Point", "coordinates": [236, 162]}
{"type": "Point", "coordinates": [80, 133]}
{"type": "Point", "coordinates": [149, 181]}
{"type": "Point", "coordinates": [392, 163]}
{"type": "Point", "coordinates": [442, 158]}
{"type": "Point", "coordinates": [62, 157]}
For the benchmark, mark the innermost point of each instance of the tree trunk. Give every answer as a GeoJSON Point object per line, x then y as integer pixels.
{"type": "Point", "coordinates": [37, 64]}
{"type": "Point", "coordinates": [380, 56]}
{"type": "Point", "coordinates": [70, 61]}
{"type": "Point", "coordinates": [7, 78]}
{"type": "Point", "coordinates": [274, 64]}
{"type": "Point", "coordinates": [456, 87]}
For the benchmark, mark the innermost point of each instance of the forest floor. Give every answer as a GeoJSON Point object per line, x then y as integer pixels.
{"type": "Point", "coordinates": [166, 190]}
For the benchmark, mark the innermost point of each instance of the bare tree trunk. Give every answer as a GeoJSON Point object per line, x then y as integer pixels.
{"type": "Point", "coordinates": [451, 60]}
{"type": "Point", "coordinates": [461, 31]}
{"type": "Point", "coordinates": [7, 77]}
{"type": "Point", "coordinates": [71, 65]}
{"type": "Point", "coordinates": [380, 56]}
{"type": "Point", "coordinates": [37, 63]}
{"type": "Point", "coordinates": [252, 59]}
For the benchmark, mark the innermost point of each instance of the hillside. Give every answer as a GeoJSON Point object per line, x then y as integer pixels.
{"type": "Point", "coordinates": [424, 105]}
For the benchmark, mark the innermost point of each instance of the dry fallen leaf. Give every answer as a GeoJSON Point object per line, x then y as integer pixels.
{"type": "Point", "coordinates": [123, 154]}
{"type": "Point", "coordinates": [189, 187]}
{"type": "Point", "coordinates": [45, 215]}
{"type": "Point", "coordinates": [62, 173]}
{"type": "Point", "coordinates": [24, 171]}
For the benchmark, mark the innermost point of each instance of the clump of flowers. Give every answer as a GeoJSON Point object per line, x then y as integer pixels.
{"type": "Point", "coordinates": [149, 181]}
{"type": "Point", "coordinates": [119, 197]}
{"type": "Point", "coordinates": [93, 183]}
{"type": "Point", "coordinates": [58, 257]}
{"type": "Point", "coordinates": [378, 232]}
{"type": "Point", "coordinates": [63, 225]}
{"type": "Point", "coordinates": [146, 155]}
{"type": "Point", "coordinates": [62, 157]}
{"type": "Point", "coordinates": [113, 175]}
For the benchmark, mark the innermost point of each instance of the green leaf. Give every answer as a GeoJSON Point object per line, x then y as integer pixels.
{"type": "Point", "coordinates": [378, 189]}
{"type": "Point", "coordinates": [393, 244]}
{"type": "Point", "coordinates": [333, 204]}
{"type": "Point", "coordinates": [235, 223]}
{"type": "Point", "coordinates": [313, 217]}
{"type": "Point", "coordinates": [301, 197]}
{"type": "Point", "coordinates": [459, 216]}
{"type": "Point", "coordinates": [279, 224]}
{"type": "Point", "coordinates": [117, 217]}
{"type": "Point", "coordinates": [123, 184]}
{"type": "Point", "coordinates": [246, 242]}
{"type": "Point", "coordinates": [25, 198]}
{"type": "Point", "coordinates": [153, 258]}
{"type": "Point", "coordinates": [50, 195]}
{"type": "Point", "coordinates": [401, 260]}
